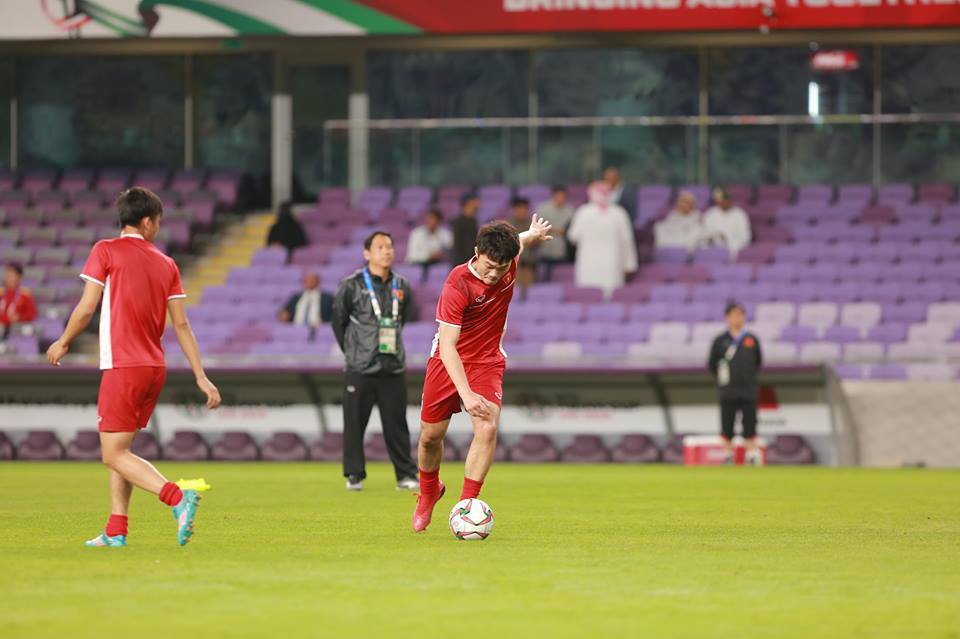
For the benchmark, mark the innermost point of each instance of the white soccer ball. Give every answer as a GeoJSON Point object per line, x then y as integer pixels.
{"type": "Point", "coordinates": [471, 519]}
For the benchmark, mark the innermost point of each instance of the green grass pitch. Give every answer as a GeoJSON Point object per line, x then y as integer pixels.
{"type": "Point", "coordinates": [577, 551]}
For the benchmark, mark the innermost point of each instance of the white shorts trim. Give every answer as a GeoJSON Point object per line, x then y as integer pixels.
{"type": "Point", "coordinates": [177, 297]}
{"type": "Point", "coordinates": [447, 323]}
{"type": "Point", "coordinates": [84, 276]}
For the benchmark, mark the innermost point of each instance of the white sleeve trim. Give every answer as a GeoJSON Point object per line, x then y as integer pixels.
{"type": "Point", "coordinates": [179, 296]}
{"type": "Point", "coordinates": [447, 324]}
{"type": "Point", "coordinates": [86, 277]}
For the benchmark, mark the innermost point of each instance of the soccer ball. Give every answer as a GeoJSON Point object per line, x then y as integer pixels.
{"type": "Point", "coordinates": [471, 519]}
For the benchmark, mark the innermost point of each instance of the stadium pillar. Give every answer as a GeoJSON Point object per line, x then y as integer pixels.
{"type": "Point", "coordinates": [282, 149]}
{"type": "Point", "coordinates": [358, 114]}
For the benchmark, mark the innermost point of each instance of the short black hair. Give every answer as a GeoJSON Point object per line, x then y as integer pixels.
{"type": "Point", "coordinates": [499, 241]}
{"type": "Point", "coordinates": [136, 203]}
{"type": "Point", "coordinates": [16, 266]}
{"type": "Point", "coordinates": [466, 197]}
{"type": "Point", "coordinates": [520, 201]}
{"type": "Point", "coordinates": [367, 243]}
{"type": "Point", "coordinates": [558, 188]}
{"type": "Point", "coordinates": [437, 213]}
{"type": "Point", "coordinates": [731, 306]}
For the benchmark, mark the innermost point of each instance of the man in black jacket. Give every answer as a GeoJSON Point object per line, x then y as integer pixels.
{"type": "Point", "coordinates": [734, 361]}
{"type": "Point", "coordinates": [369, 311]}
{"type": "Point", "coordinates": [464, 228]}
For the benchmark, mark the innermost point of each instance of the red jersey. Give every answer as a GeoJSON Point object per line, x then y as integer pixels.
{"type": "Point", "coordinates": [16, 303]}
{"type": "Point", "coordinates": [137, 281]}
{"type": "Point", "coordinates": [479, 310]}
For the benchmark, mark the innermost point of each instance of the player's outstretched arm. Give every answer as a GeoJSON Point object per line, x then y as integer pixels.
{"type": "Point", "coordinates": [539, 231]}
{"type": "Point", "coordinates": [188, 344]}
{"type": "Point", "coordinates": [475, 404]}
{"type": "Point", "coordinates": [79, 320]}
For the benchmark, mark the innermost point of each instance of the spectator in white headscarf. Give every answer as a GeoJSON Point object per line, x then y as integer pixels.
{"type": "Point", "coordinates": [603, 235]}
{"type": "Point", "coordinates": [725, 224]}
{"type": "Point", "coordinates": [683, 227]}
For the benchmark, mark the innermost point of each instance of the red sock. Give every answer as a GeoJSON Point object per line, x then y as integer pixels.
{"type": "Point", "coordinates": [430, 482]}
{"type": "Point", "coordinates": [171, 494]}
{"type": "Point", "coordinates": [116, 525]}
{"type": "Point", "coordinates": [471, 488]}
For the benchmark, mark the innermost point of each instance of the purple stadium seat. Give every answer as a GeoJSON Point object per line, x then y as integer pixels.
{"type": "Point", "coordinates": [85, 446]}
{"type": "Point", "coordinates": [112, 181]}
{"type": "Point", "coordinates": [937, 193]}
{"type": "Point", "coordinates": [186, 445]}
{"type": "Point", "coordinates": [848, 371]}
{"type": "Point", "coordinates": [269, 257]}
{"type": "Point", "coordinates": [236, 446]}
{"type": "Point", "coordinates": [895, 193]}
{"type": "Point", "coordinates": [328, 448]}
{"type": "Point", "coordinates": [633, 292]}
{"type": "Point", "coordinates": [669, 255]}
{"type": "Point", "coordinates": [534, 448]}
{"type": "Point", "coordinates": [670, 293]}
{"type": "Point", "coordinates": [790, 449]}
{"type": "Point", "coordinates": [636, 449]}
{"type": "Point", "coordinates": [586, 449]}
{"type": "Point", "coordinates": [40, 445]}
{"type": "Point", "coordinates": [535, 193]}
{"type": "Point", "coordinates": [581, 294]}
{"type": "Point", "coordinates": [673, 451]}
{"type": "Point", "coordinates": [8, 179]}
{"type": "Point", "coordinates": [731, 273]}
{"type": "Point", "coordinates": [759, 253]}
{"type": "Point", "coordinates": [6, 447]}
{"type": "Point", "coordinates": [226, 185]}
{"type": "Point", "coordinates": [75, 180]}
{"type": "Point", "coordinates": [34, 181]}
{"type": "Point", "coordinates": [859, 193]}
{"type": "Point", "coordinates": [842, 334]}
{"type": "Point", "coordinates": [145, 445]}
{"type": "Point", "coordinates": [814, 193]}
{"type": "Point", "coordinates": [888, 371]}
{"type": "Point", "coordinates": [798, 334]}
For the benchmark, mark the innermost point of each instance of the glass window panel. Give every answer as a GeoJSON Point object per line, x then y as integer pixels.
{"type": "Point", "coordinates": [921, 79]}
{"type": "Point", "coordinates": [101, 111]}
{"type": "Point", "coordinates": [920, 152]}
{"type": "Point", "coordinates": [442, 84]}
{"type": "Point", "coordinates": [577, 82]}
{"type": "Point", "coordinates": [233, 113]}
{"type": "Point", "coordinates": [831, 154]}
{"type": "Point", "coordinates": [392, 158]}
{"type": "Point", "coordinates": [319, 94]}
{"type": "Point", "coordinates": [656, 154]}
{"type": "Point", "coordinates": [745, 154]}
{"type": "Point", "coordinates": [777, 81]}
{"type": "Point", "coordinates": [6, 91]}
{"type": "Point", "coordinates": [567, 155]}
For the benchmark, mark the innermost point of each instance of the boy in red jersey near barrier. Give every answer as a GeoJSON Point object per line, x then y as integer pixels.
{"type": "Point", "coordinates": [139, 286]}
{"type": "Point", "coordinates": [467, 360]}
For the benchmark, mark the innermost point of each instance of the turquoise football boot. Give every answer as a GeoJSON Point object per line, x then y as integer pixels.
{"type": "Point", "coordinates": [186, 513]}
{"type": "Point", "coordinates": [103, 541]}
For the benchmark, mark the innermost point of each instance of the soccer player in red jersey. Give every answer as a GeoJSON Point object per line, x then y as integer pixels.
{"type": "Point", "coordinates": [139, 286]}
{"type": "Point", "coordinates": [466, 362]}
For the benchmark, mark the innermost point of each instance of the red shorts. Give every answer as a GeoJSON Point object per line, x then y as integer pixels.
{"type": "Point", "coordinates": [440, 397]}
{"type": "Point", "coordinates": [128, 397]}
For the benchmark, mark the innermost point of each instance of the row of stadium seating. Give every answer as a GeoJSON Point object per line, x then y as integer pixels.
{"type": "Point", "coordinates": [288, 446]}
{"type": "Point", "coordinates": [88, 189]}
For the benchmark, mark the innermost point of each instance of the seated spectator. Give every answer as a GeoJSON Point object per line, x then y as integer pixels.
{"type": "Point", "coordinates": [465, 229]}
{"type": "Point", "coordinates": [520, 219]}
{"type": "Point", "coordinates": [310, 307]}
{"type": "Point", "coordinates": [683, 227]}
{"type": "Point", "coordinates": [16, 302]}
{"type": "Point", "coordinates": [606, 246]}
{"type": "Point", "coordinates": [287, 230]}
{"type": "Point", "coordinates": [559, 213]}
{"type": "Point", "coordinates": [725, 224]}
{"type": "Point", "coordinates": [429, 242]}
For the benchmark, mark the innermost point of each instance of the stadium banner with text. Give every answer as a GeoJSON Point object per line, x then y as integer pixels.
{"type": "Point", "coordinates": [45, 19]}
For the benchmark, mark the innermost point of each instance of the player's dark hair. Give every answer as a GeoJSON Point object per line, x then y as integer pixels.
{"type": "Point", "coordinates": [558, 188]}
{"type": "Point", "coordinates": [136, 203]}
{"type": "Point", "coordinates": [466, 197]}
{"type": "Point", "coordinates": [437, 213]}
{"type": "Point", "coordinates": [499, 241]}
{"type": "Point", "coordinates": [15, 266]}
{"type": "Point", "coordinates": [367, 243]}
{"type": "Point", "coordinates": [731, 306]}
{"type": "Point", "coordinates": [520, 201]}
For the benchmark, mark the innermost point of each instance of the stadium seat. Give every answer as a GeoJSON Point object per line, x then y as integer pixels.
{"type": "Point", "coordinates": [145, 445]}
{"type": "Point", "coordinates": [586, 449]}
{"type": "Point", "coordinates": [328, 448]}
{"type": "Point", "coordinates": [790, 449]}
{"type": "Point", "coordinates": [186, 445]}
{"type": "Point", "coordinates": [85, 446]}
{"type": "Point", "coordinates": [534, 448]}
{"type": "Point", "coordinates": [40, 445]}
{"type": "Point", "coordinates": [673, 451]}
{"type": "Point", "coordinates": [635, 449]}
{"type": "Point", "coordinates": [375, 448]}
{"type": "Point", "coordinates": [6, 447]}
{"type": "Point", "coordinates": [236, 446]}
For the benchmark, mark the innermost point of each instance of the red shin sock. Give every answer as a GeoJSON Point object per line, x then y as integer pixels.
{"type": "Point", "coordinates": [116, 525]}
{"type": "Point", "coordinates": [171, 494]}
{"type": "Point", "coordinates": [471, 488]}
{"type": "Point", "coordinates": [430, 483]}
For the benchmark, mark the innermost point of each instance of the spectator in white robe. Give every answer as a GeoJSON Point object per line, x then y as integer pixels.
{"type": "Point", "coordinates": [683, 227]}
{"type": "Point", "coordinates": [725, 224]}
{"type": "Point", "coordinates": [604, 237]}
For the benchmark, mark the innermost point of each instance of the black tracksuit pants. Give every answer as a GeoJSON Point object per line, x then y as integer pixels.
{"type": "Point", "coordinates": [729, 407]}
{"type": "Point", "coordinates": [389, 393]}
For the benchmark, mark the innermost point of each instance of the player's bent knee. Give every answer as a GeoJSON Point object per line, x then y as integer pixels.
{"type": "Point", "coordinates": [485, 431]}
{"type": "Point", "coordinates": [432, 434]}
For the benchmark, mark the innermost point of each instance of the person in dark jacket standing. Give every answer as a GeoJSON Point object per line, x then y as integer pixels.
{"type": "Point", "coordinates": [465, 228]}
{"type": "Point", "coordinates": [369, 311]}
{"type": "Point", "coordinates": [287, 230]}
{"type": "Point", "coordinates": [734, 361]}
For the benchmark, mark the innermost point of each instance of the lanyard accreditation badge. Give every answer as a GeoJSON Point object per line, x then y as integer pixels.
{"type": "Point", "coordinates": [387, 333]}
{"type": "Point", "coordinates": [723, 368]}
